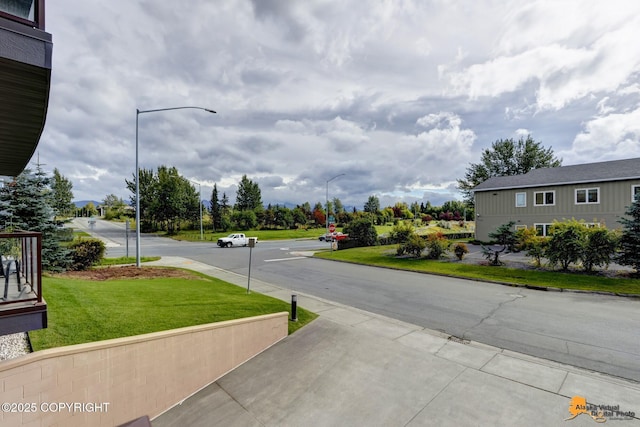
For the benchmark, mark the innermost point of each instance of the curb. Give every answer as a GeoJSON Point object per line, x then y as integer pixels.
{"type": "Point", "coordinates": [497, 282]}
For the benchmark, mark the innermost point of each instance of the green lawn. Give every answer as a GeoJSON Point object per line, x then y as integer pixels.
{"type": "Point", "coordinates": [311, 233]}
{"type": "Point", "coordinates": [83, 311]}
{"type": "Point", "coordinates": [384, 256]}
{"type": "Point", "coordinates": [126, 260]}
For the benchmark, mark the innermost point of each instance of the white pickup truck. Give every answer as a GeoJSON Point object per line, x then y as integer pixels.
{"type": "Point", "coordinates": [235, 239]}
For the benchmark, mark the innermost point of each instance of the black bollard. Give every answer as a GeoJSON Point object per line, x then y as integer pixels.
{"type": "Point", "coordinates": [294, 308]}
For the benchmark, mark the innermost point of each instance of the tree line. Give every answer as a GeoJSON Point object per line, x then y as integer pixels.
{"type": "Point", "coordinates": [169, 202]}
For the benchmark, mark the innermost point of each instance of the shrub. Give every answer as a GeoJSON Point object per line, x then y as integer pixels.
{"type": "Point", "coordinates": [437, 245]}
{"type": "Point", "coordinates": [599, 248]}
{"type": "Point", "coordinates": [426, 218]}
{"type": "Point", "coordinates": [65, 234]}
{"type": "Point", "coordinates": [447, 216]}
{"type": "Point", "coordinates": [460, 249]}
{"type": "Point", "coordinates": [401, 232]}
{"type": "Point", "coordinates": [566, 243]}
{"type": "Point", "coordinates": [536, 249]}
{"type": "Point", "coordinates": [86, 253]}
{"type": "Point", "coordinates": [444, 224]}
{"type": "Point", "coordinates": [503, 236]}
{"type": "Point", "coordinates": [525, 238]}
{"type": "Point", "coordinates": [414, 246]}
{"type": "Point", "coordinates": [362, 231]}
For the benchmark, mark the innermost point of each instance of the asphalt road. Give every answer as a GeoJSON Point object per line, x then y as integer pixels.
{"type": "Point", "coordinates": [590, 331]}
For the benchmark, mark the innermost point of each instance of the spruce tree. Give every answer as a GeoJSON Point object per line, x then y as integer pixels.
{"type": "Point", "coordinates": [62, 195]}
{"type": "Point", "coordinates": [630, 240]}
{"type": "Point", "coordinates": [216, 214]}
{"type": "Point", "coordinates": [26, 205]}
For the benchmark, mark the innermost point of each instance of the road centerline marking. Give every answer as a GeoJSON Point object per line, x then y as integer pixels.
{"type": "Point", "coordinates": [285, 259]}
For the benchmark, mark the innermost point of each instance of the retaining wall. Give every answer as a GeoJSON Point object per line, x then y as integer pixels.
{"type": "Point", "coordinates": [108, 383]}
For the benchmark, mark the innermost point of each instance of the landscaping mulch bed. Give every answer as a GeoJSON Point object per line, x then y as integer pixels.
{"type": "Point", "coordinates": [127, 272]}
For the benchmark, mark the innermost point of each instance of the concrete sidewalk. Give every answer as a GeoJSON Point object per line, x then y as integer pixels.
{"type": "Point", "coordinates": [355, 368]}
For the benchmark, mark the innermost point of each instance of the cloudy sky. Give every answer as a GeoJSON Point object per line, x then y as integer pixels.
{"type": "Point", "coordinates": [400, 96]}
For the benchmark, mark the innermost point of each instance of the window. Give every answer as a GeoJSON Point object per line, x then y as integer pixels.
{"type": "Point", "coordinates": [542, 198]}
{"type": "Point", "coordinates": [587, 196]}
{"type": "Point", "coordinates": [521, 200]}
{"type": "Point", "coordinates": [542, 229]}
{"type": "Point", "coordinates": [635, 189]}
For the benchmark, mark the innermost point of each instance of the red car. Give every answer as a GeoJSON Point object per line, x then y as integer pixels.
{"type": "Point", "coordinates": [333, 237]}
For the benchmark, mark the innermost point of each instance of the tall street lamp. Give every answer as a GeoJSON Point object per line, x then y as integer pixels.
{"type": "Point", "coordinates": [327, 203]}
{"type": "Point", "coordinates": [138, 112]}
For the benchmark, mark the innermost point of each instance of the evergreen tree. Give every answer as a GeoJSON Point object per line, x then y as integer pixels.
{"type": "Point", "coordinates": [62, 194]}
{"type": "Point", "coordinates": [26, 205]}
{"type": "Point", "coordinates": [216, 212]}
{"type": "Point", "coordinates": [372, 205]}
{"type": "Point", "coordinates": [630, 240]}
{"type": "Point", "coordinates": [299, 216]}
{"type": "Point", "coordinates": [225, 213]}
{"type": "Point", "coordinates": [503, 236]}
{"type": "Point", "coordinates": [248, 196]}
{"type": "Point", "coordinates": [224, 204]}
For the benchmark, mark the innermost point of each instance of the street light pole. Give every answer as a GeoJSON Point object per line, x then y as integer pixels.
{"type": "Point", "coordinates": [327, 205]}
{"type": "Point", "coordinates": [137, 174]}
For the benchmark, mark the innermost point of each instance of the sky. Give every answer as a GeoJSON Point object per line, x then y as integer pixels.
{"type": "Point", "coordinates": [399, 96]}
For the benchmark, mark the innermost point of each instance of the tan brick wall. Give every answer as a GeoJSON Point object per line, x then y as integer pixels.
{"type": "Point", "coordinates": [133, 376]}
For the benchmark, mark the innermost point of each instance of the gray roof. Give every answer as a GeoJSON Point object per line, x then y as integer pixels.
{"type": "Point", "coordinates": [615, 170]}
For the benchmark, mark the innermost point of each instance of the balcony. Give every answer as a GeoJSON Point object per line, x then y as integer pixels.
{"type": "Point", "coordinates": [25, 78]}
{"type": "Point", "coordinates": [22, 307]}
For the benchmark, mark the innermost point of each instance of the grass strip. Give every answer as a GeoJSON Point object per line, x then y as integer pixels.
{"type": "Point", "coordinates": [82, 311]}
{"type": "Point", "coordinates": [125, 260]}
{"type": "Point", "coordinates": [384, 256]}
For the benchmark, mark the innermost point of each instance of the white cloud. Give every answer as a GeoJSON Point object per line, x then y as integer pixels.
{"type": "Point", "coordinates": [399, 96]}
{"type": "Point", "coordinates": [569, 50]}
{"type": "Point", "coordinates": [612, 136]}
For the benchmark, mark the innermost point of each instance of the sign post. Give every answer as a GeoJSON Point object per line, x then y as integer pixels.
{"type": "Point", "coordinates": [252, 244]}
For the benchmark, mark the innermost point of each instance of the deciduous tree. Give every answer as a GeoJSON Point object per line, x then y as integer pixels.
{"type": "Point", "coordinates": [506, 157]}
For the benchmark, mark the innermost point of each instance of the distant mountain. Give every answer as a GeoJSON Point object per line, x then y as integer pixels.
{"type": "Point", "coordinates": [82, 203]}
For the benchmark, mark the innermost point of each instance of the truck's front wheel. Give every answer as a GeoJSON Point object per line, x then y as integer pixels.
{"type": "Point", "coordinates": [229, 244]}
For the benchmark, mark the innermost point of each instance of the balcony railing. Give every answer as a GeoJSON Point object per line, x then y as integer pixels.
{"type": "Point", "coordinates": [27, 12]}
{"type": "Point", "coordinates": [21, 275]}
